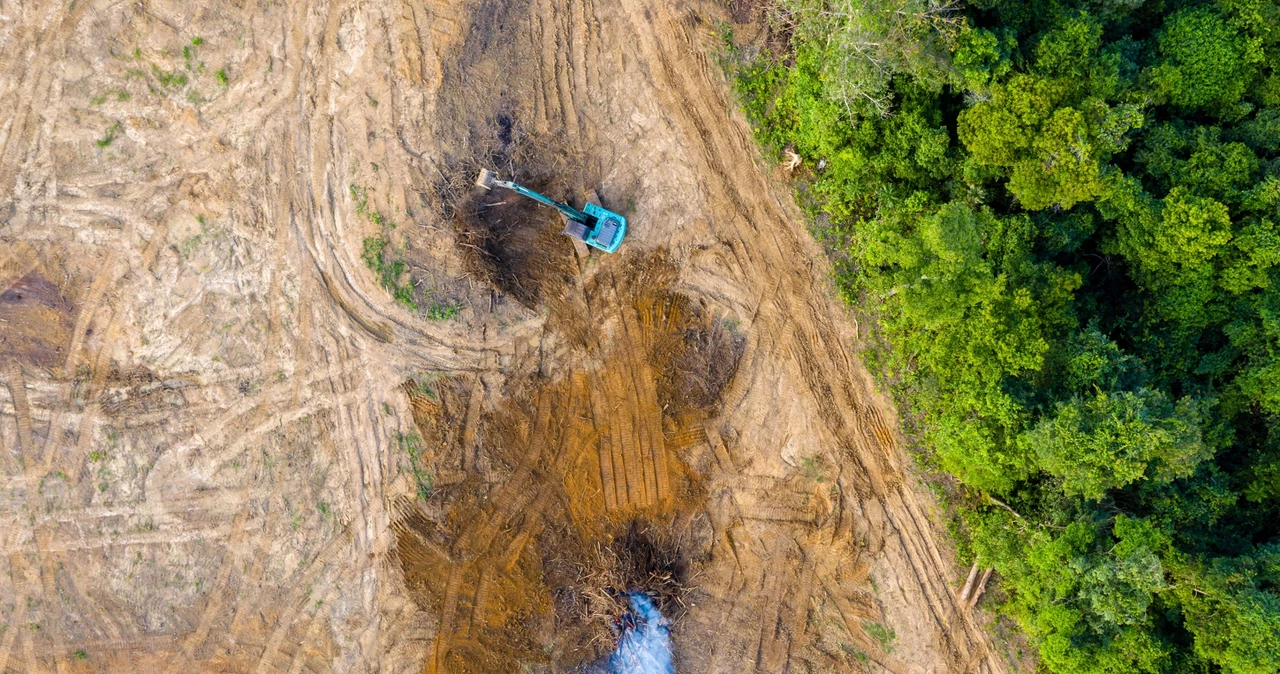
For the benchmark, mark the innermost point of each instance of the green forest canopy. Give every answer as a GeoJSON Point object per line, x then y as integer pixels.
{"type": "Point", "coordinates": [1064, 217]}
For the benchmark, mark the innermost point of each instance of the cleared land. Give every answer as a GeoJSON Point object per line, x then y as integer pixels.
{"type": "Point", "coordinates": [241, 437]}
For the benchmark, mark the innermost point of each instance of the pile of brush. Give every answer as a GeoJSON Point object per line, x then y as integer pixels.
{"type": "Point", "coordinates": [643, 559]}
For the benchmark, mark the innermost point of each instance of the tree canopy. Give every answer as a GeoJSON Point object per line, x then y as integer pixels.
{"type": "Point", "coordinates": [1063, 216]}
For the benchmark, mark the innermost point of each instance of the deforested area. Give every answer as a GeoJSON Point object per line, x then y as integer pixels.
{"type": "Point", "coordinates": [1057, 221]}
{"type": "Point", "coordinates": [454, 337]}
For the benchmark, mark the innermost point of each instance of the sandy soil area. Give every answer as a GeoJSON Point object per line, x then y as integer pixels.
{"type": "Point", "coordinates": [228, 444]}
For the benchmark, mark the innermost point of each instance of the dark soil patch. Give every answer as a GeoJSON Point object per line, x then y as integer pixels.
{"type": "Point", "coordinates": [36, 321]}
{"type": "Point", "coordinates": [650, 560]}
{"type": "Point", "coordinates": [514, 243]}
{"type": "Point", "coordinates": [487, 105]}
{"type": "Point", "coordinates": [693, 353]}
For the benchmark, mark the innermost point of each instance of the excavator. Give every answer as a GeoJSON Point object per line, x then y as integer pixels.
{"type": "Point", "coordinates": [594, 225]}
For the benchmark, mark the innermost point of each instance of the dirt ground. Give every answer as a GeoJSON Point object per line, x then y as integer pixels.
{"type": "Point", "coordinates": [229, 445]}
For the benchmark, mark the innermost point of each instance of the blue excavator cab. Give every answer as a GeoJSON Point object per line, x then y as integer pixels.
{"type": "Point", "coordinates": [594, 225]}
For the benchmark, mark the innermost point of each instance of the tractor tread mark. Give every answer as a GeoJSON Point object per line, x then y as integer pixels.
{"type": "Point", "coordinates": [21, 406]}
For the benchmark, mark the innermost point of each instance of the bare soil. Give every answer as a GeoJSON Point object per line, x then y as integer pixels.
{"type": "Point", "coordinates": [229, 445]}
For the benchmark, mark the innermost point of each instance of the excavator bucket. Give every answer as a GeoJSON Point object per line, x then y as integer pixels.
{"type": "Point", "coordinates": [486, 178]}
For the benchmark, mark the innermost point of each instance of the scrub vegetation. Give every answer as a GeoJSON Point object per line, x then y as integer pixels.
{"type": "Point", "coordinates": [1062, 216]}
{"type": "Point", "coordinates": [378, 255]}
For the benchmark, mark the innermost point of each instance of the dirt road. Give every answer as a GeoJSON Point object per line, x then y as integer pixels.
{"type": "Point", "coordinates": [211, 459]}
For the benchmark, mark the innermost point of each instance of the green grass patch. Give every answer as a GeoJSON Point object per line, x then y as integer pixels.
{"type": "Point", "coordinates": [885, 636]}
{"type": "Point", "coordinates": [411, 445]}
{"type": "Point", "coordinates": [378, 255]}
{"type": "Point", "coordinates": [169, 80]}
{"type": "Point", "coordinates": [425, 383]}
{"type": "Point", "coordinates": [361, 197]}
{"type": "Point", "coordinates": [443, 311]}
{"type": "Point", "coordinates": [855, 653]}
{"type": "Point", "coordinates": [109, 136]}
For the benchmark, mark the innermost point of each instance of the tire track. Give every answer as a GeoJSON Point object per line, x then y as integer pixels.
{"type": "Point", "coordinates": [817, 349]}
{"type": "Point", "coordinates": [564, 77]}
{"type": "Point", "coordinates": [48, 571]}
{"type": "Point", "coordinates": [549, 101]}
{"type": "Point", "coordinates": [21, 410]}
{"type": "Point", "coordinates": [472, 419]}
{"type": "Point", "coordinates": [102, 279]}
{"type": "Point", "coordinates": [17, 569]}
{"type": "Point", "coordinates": [282, 214]}
{"type": "Point", "coordinates": [301, 592]}
{"type": "Point", "coordinates": [315, 624]}
{"type": "Point", "coordinates": [19, 260]}
{"type": "Point", "coordinates": [611, 464]}
{"type": "Point", "coordinates": [770, 652]}
{"type": "Point", "coordinates": [36, 79]}
{"type": "Point", "coordinates": [99, 368]}
{"type": "Point", "coordinates": [217, 593]}
{"type": "Point", "coordinates": [638, 436]}
{"type": "Point", "coordinates": [445, 629]}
